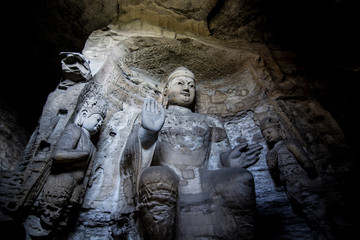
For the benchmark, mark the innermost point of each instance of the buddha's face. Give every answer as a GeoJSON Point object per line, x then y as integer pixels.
{"type": "Point", "coordinates": [181, 91]}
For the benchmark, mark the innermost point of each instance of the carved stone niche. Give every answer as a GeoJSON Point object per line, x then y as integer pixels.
{"type": "Point", "coordinates": [131, 66]}
{"type": "Point", "coordinates": [234, 84]}
{"type": "Point", "coordinates": [226, 79]}
{"type": "Point", "coordinates": [231, 77]}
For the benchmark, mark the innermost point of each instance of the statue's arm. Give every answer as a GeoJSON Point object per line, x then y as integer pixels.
{"type": "Point", "coordinates": [152, 120]}
{"type": "Point", "coordinates": [272, 163]}
{"type": "Point", "coordinates": [69, 156]}
{"type": "Point", "coordinates": [65, 149]}
{"type": "Point", "coordinates": [147, 137]}
{"type": "Point", "coordinates": [303, 158]}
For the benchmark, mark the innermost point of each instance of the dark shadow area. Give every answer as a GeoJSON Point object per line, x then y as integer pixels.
{"type": "Point", "coordinates": [269, 227]}
{"type": "Point", "coordinates": [12, 231]}
{"type": "Point", "coordinates": [32, 42]}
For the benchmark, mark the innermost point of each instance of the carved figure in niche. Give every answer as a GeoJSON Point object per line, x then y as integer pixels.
{"type": "Point", "coordinates": [71, 167]}
{"type": "Point", "coordinates": [302, 164]}
{"type": "Point", "coordinates": [290, 166]}
{"type": "Point", "coordinates": [20, 187]}
{"type": "Point", "coordinates": [186, 173]}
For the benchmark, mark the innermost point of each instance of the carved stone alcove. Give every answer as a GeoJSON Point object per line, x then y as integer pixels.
{"type": "Point", "coordinates": [238, 84]}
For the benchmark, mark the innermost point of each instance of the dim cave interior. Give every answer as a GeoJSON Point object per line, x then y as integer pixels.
{"type": "Point", "coordinates": [300, 57]}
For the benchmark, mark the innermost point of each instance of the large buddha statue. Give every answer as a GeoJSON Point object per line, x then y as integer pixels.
{"type": "Point", "coordinates": [186, 173]}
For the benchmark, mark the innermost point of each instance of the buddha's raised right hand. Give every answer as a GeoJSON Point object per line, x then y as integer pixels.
{"type": "Point", "coordinates": [153, 115]}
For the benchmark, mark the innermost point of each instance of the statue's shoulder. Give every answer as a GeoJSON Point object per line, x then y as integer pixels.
{"type": "Point", "coordinates": [72, 129]}
{"type": "Point", "coordinates": [214, 121]}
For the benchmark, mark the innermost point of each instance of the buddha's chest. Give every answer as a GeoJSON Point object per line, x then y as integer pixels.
{"type": "Point", "coordinates": [186, 132]}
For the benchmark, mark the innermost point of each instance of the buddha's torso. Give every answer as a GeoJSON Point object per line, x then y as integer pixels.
{"type": "Point", "coordinates": [183, 146]}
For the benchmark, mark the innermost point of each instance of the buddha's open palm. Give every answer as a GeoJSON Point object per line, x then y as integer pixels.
{"type": "Point", "coordinates": [153, 115]}
{"type": "Point", "coordinates": [244, 155]}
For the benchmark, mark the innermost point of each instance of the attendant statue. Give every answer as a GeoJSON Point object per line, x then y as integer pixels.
{"type": "Point", "coordinates": [190, 184]}
{"type": "Point", "coordinates": [289, 156]}
{"type": "Point", "coordinates": [72, 161]}
{"type": "Point", "coordinates": [310, 196]}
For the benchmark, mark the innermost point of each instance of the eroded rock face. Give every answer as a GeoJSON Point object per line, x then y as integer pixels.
{"type": "Point", "coordinates": [12, 138]}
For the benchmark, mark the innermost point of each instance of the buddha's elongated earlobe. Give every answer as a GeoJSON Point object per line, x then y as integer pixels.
{"type": "Point", "coordinates": [282, 132]}
{"type": "Point", "coordinates": [81, 117]}
{"type": "Point", "coordinates": [165, 99]}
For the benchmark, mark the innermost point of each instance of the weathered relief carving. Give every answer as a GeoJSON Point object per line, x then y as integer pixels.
{"type": "Point", "coordinates": [20, 186]}
{"type": "Point", "coordinates": [47, 186]}
{"type": "Point", "coordinates": [71, 166]}
{"type": "Point", "coordinates": [185, 172]}
{"type": "Point", "coordinates": [270, 129]}
{"type": "Point", "coordinates": [312, 195]}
